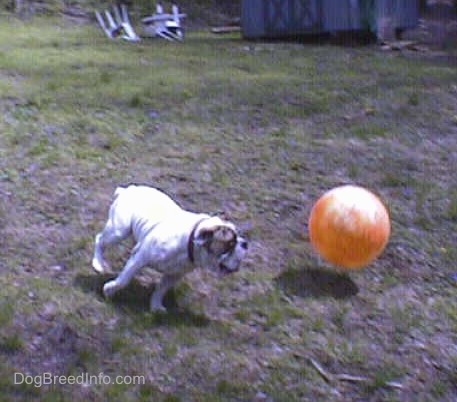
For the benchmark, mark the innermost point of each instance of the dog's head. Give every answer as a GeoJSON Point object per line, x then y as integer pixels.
{"type": "Point", "coordinates": [221, 248]}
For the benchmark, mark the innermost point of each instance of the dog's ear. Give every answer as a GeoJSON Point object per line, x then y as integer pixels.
{"type": "Point", "coordinates": [204, 237]}
{"type": "Point", "coordinates": [219, 233]}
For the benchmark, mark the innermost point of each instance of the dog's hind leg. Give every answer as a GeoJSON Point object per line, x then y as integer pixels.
{"type": "Point", "coordinates": [109, 236]}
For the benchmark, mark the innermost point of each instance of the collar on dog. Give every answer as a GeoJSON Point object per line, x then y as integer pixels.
{"type": "Point", "coordinates": [190, 241]}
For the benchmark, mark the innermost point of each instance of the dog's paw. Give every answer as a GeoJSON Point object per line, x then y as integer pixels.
{"type": "Point", "coordinates": [158, 308]}
{"type": "Point", "coordinates": [110, 288]}
{"type": "Point", "coordinates": [100, 266]}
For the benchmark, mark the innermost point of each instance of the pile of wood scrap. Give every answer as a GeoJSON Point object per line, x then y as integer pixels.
{"type": "Point", "coordinates": [401, 45]}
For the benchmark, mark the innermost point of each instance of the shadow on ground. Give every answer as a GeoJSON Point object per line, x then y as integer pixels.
{"type": "Point", "coordinates": [134, 300]}
{"type": "Point", "coordinates": [316, 283]}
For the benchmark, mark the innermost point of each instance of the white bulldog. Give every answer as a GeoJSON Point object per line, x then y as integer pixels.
{"type": "Point", "coordinates": [169, 239]}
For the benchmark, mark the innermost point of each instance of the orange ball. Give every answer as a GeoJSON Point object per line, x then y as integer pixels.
{"type": "Point", "coordinates": [349, 226]}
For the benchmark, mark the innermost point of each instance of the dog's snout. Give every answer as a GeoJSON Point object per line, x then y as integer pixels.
{"type": "Point", "coordinates": [244, 244]}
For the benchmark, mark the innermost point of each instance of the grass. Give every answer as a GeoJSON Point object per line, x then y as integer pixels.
{"type": "Point", "coordinates": [258, 130]}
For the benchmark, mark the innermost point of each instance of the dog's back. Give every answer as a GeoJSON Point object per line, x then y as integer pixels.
{"type": "Point", "coordinates": [141, 205]}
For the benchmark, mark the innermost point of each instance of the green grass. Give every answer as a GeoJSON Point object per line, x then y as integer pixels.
{"type": "Point", "coordinates": [258, 130]}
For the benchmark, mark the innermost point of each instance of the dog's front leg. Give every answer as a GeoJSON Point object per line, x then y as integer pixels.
{"type": "Point", "coordinates": [167, 282]}
{"type": "Point", "coordinates": [133, 265]}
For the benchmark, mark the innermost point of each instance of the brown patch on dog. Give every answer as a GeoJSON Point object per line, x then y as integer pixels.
{"type": "Point", "coordinates": [220, 239]}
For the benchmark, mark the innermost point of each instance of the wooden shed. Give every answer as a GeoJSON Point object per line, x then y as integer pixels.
{"type": "Point", "coordinates": [286, 18]}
